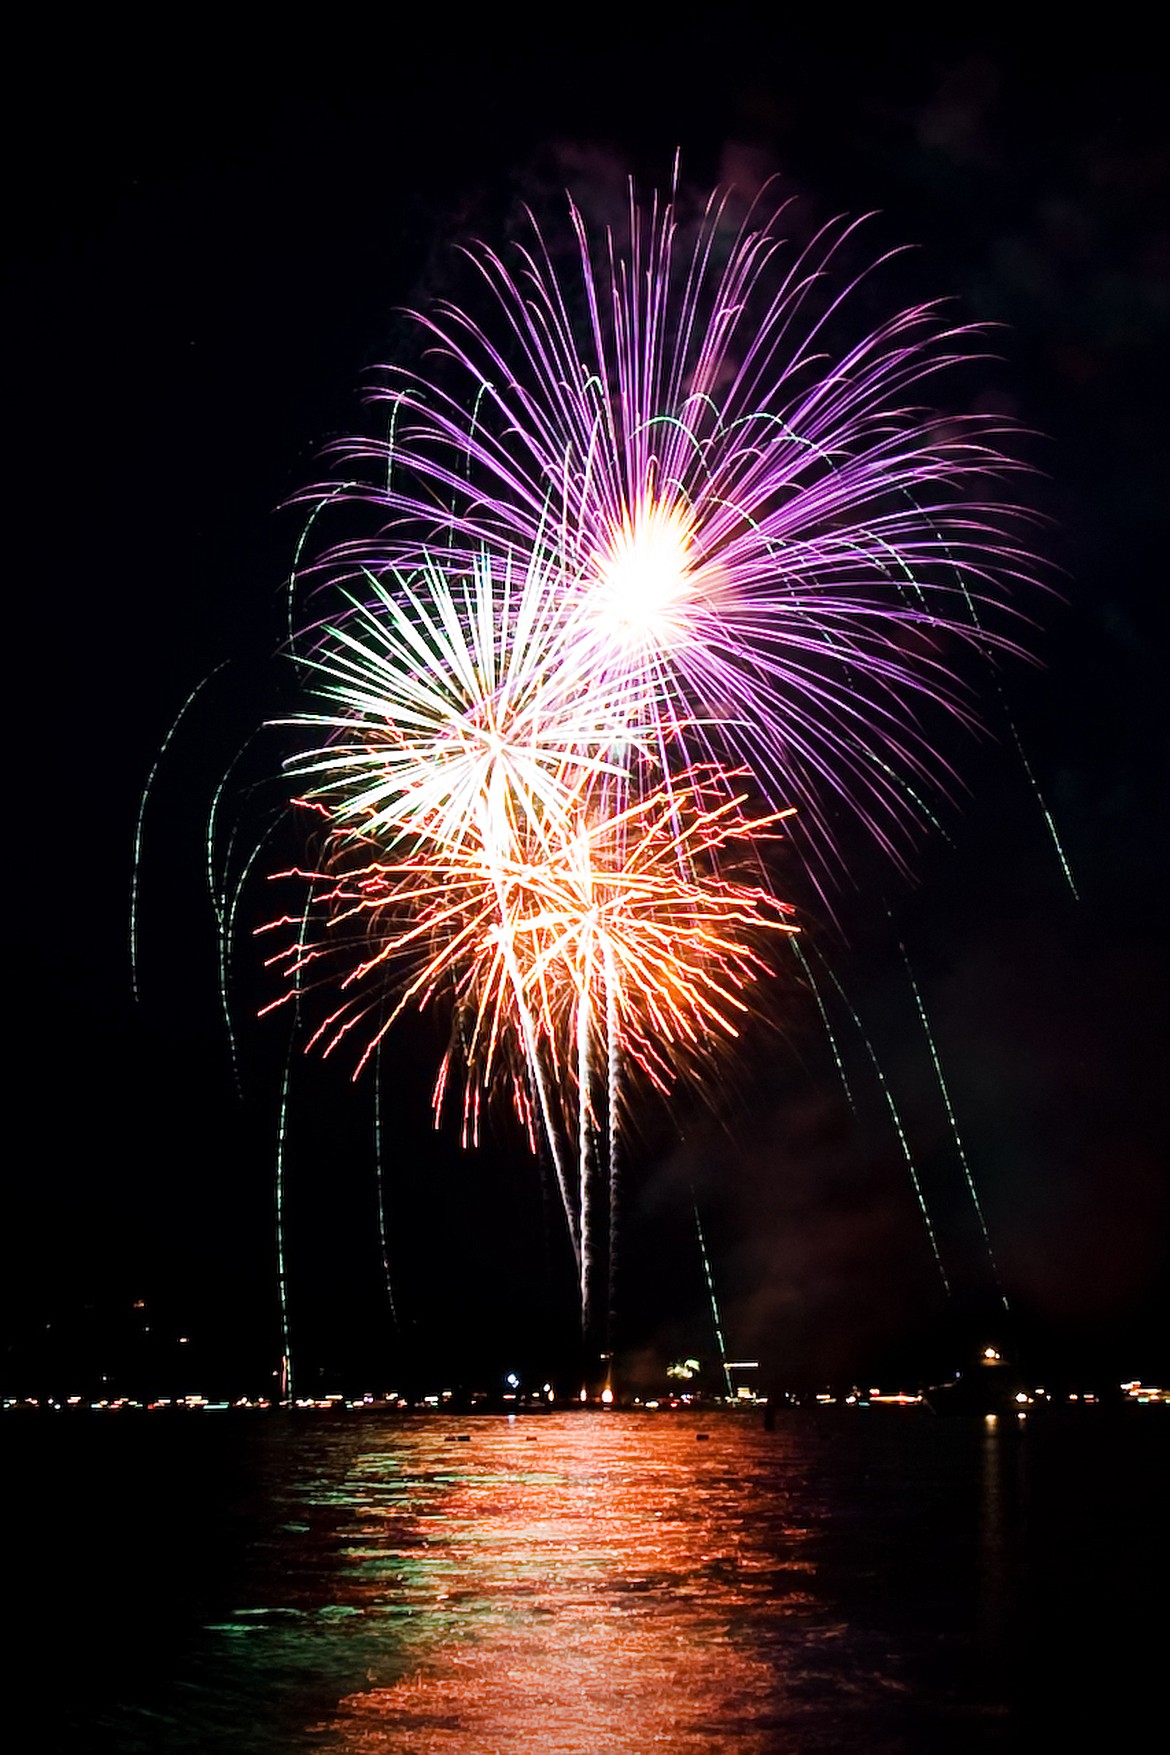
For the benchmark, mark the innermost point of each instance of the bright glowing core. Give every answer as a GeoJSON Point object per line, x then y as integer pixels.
{"type": "Point", "coordinates": [645, 578]}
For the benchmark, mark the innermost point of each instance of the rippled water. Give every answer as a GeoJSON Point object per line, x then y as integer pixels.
{"type": "Point", "coordinates": [578, 1583]}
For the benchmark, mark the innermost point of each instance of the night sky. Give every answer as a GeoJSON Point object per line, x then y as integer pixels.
{"type": "Point", "coordinates": [207, 259]}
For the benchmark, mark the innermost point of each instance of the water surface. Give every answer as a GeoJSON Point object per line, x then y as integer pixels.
{"type": "Point", "coordinates": [873, 1580]}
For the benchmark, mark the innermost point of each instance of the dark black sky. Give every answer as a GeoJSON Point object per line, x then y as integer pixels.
{"type": "Point", "coordinates": [206, 258]}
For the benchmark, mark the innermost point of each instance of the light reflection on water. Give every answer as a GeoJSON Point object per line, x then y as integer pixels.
{"type": "Point", "coordinates": [589, 1584]}
{"type": "Point", "coordinates": [582, 1583]}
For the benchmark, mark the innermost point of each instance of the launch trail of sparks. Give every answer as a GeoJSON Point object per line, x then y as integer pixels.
{"type": "Point", "coordinates": [650, 543]}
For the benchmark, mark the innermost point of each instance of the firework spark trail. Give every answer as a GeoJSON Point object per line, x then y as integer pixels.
{"type": "Point", "coordinates": [226, 909]}
{"type": "Point", "coordinates": [613, 1165]}
{"type": "Point", "coordinates": [954, 1124]}
{"type": "Point", "coordinates": [286, 1390]}
{"type": "Point", "coordinates": [136, 863]}
{"type": "Point", "coordinates": [585, 1135]}
{"type": "Point", "coordinates": [285, 1380]}
{"type": "Point", "coordinates": [829, 1032]}
{"type": "Point", "coordinates": [895, 1117]}
{"type": "Point", "coordinates": [380, 1187]}
{"type": "Point", "coordinates": [219, 904]}
{"type": "Point", "coordinates": [337, 491]}
{"type": "Point", "coordinates": [715, 1318]}
{"type": "Point", "coordinates": [1029, 772]}
{"type": "Point", "coordinates": [1030, 776]}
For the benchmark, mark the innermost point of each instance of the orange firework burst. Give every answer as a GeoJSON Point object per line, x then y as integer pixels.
{"type": "Point", "coordinates": [596, 940]}
{"type": "Point", "coordinates": [632, 921]}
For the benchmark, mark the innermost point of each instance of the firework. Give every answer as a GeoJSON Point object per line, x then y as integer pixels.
{"type": "Point", "coordinates": [650, 541]}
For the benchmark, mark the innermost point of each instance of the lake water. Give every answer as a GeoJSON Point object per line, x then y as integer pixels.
{"type": "Point", "coordinates": [579, 1583]}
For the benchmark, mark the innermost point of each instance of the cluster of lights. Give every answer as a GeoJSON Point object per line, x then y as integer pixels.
{"type": "Point", "coordinates": [1134, 1392]}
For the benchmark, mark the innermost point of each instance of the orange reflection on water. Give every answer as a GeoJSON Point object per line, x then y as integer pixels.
{"type": "Point", "coordinates": [595, 1583]}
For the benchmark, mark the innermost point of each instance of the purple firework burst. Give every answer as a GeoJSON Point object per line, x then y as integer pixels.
{"type": "Point", "coordinates": [766, 546]}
